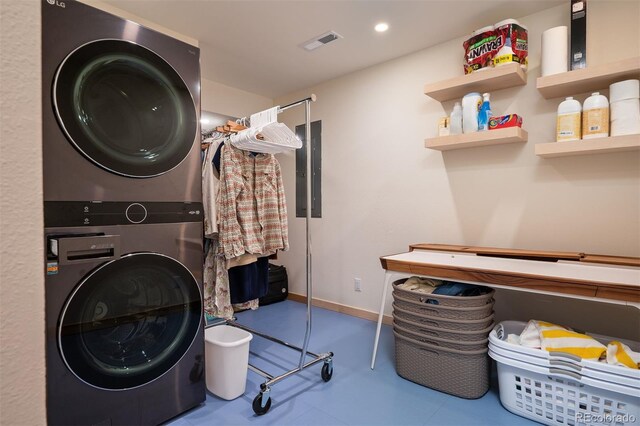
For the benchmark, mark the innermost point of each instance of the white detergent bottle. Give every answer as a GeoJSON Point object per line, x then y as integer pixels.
{"type": "Point", "coordinates": [470, 105]}
{"type": "Point", "coordinates": [456, 119]}
{"type": "Point", "coordinates": [595, 117]}
{"type": "Point", "coordinates": [568, 120]}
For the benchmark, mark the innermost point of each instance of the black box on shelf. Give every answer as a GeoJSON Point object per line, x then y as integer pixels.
{"type": "Point", "coordinates": [578, 57]}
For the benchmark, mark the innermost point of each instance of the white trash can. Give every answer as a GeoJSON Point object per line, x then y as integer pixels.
{"type": "Point", "coordinates": [227, 359]}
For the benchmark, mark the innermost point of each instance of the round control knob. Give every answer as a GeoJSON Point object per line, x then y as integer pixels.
{"type": "Point", "coordinates": [136, 213]}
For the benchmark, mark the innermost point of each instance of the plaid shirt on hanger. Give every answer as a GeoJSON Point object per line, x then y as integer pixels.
{"type": "Point", "coordinates": [253, 209]}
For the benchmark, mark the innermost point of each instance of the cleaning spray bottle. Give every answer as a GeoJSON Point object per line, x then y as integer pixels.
{"type": "Point", "coordinates": [485, 113]}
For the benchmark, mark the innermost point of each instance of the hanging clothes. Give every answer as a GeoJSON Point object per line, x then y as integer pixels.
{"type": "Point", "coordinates": [216, 158]}
{"type": "Point", "coordinates": [250, 281]}
{"type": "Point", "coordinates": [217, 300]}
{"type": "Point", "coordinates": [210, 190]}
{"type": "Point", "coordinates": [217, 295]}
{"type": "Point", "coordinates": [217, 292]}
{"type": "Point", "coordinates": [252, 208]}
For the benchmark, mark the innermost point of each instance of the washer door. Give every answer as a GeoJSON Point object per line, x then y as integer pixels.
{"type": "Point", "coordinates": [130, 321]}
{"type": "Point", "coordinates": [125, 108]}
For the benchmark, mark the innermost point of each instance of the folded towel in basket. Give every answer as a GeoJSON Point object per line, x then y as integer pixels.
{"type": "Point", "coordinates": [420, 284]}
{"type": "Point", "coordinates": [582, 345]}
{"type": "Point", "coordinates": [530, 336]}
{"type": "Point", "coordinates": [620, 354]}
{"type": "Point", "coordinates": [554, 338]}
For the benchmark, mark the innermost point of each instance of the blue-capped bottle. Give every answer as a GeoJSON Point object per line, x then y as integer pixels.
{"type": "Point", "coordinates": [485, 113]}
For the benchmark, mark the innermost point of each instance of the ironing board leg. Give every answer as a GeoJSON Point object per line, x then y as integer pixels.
{"type": "Point", "coordinates": [387, 278]}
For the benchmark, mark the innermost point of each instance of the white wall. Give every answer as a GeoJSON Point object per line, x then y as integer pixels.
{"type": "Point", "coordinates": [613, 30]}
{"type": "Point", "coordinates": [383, 190]}
{"type": "Point", "coordinates": [226, 100]}
{"type": "Point", "coordinates": [22, 359]}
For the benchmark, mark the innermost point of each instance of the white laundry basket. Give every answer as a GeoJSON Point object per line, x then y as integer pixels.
{"type": "Point", "coordinates": [227, 360]}
{"type": "Point", "coordinates": [559, 389]}
{"type": "Point", "coordinates": [556, 397]}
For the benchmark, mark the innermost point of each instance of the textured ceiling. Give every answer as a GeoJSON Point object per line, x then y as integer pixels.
{"type": "Point", "coordinates": [255, 45]}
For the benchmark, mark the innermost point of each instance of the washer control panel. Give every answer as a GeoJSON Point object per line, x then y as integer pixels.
{"type": "Point", "coordinates": [101, 213]}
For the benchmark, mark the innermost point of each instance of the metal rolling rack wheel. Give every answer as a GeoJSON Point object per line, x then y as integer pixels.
{"type": "Point", "coordinates": [261, 403]}
{"type": "Point", "coordinates": [327, 370]}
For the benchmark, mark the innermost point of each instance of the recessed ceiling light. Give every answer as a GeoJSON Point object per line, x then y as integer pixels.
{"type": "Point", "coordinates": [204, 121]}
{"type": "Point", "coordinates": [381, 27]}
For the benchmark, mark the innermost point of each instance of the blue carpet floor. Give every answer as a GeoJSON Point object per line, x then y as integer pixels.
{"type": "Point", "coordinates": [356, 395]}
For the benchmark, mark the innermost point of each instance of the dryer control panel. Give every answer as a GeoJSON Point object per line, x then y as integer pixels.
{"type": "Point", "coordinates": [102, 213]}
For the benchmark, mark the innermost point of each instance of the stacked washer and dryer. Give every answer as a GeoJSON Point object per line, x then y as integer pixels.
{"type": "Point", "coordinates": [123, 220]}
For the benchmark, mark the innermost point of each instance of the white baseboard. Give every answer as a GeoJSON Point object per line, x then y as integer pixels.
{"type": "Point", "coordinates": [344, 309]}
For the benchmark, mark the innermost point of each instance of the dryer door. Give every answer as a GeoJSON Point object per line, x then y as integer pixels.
{"type": "Point", "coordinates": [130, 321]}
{"type": "Point", "coordinates": [125, 108]}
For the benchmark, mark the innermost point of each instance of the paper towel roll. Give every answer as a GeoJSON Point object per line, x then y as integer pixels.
{"type": "Point", "coordinates": [554, 51]}
{"type": "Point", "coordinates": [627, 89]}
{"type": "Point", "coordinates": [625, 117]}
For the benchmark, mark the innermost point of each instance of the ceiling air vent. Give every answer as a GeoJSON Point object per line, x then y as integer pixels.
{"type": "Point", "coordinates": [321, 40]}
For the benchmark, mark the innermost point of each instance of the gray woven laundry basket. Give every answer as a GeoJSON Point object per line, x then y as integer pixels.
{"type": "Point", "coordinates": [405, 329]}
{"type": "Point", "coordinates": [463, 374]}
{"type": "Point", "coordinates": [439, 299]}
{"type": "Point", "coordinates": [452, 312]}
{"type": "Point", "coordinates": [446, 324]}
{"type": "Point", "coordinates": [434, 332]}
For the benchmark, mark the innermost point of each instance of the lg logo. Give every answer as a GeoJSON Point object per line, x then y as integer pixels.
{"type": "Point", "coordinates": [56, 2]}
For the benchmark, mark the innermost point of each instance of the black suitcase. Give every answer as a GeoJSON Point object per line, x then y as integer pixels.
{"type": "Point", "coordinates": [278, 285]}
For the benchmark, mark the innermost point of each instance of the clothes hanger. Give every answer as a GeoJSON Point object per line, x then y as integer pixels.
{"type": "Point", "coordinates": [266, 135]}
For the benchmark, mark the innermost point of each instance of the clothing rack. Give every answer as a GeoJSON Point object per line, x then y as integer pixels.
{"type": "Point", "coordinates": [262, 402]}
{"type": "Point", "coordinates": [220, 132]}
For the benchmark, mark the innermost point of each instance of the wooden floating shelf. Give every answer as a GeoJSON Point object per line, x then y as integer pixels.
{"type": "Point", "coordinates": [589, 146]}
{"type": "Point", "coordinates": [501, 77]}
{"type": "Point", "coordinates": [475, 139]}
{"type": "Point", "coordinates": [587, 79]}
